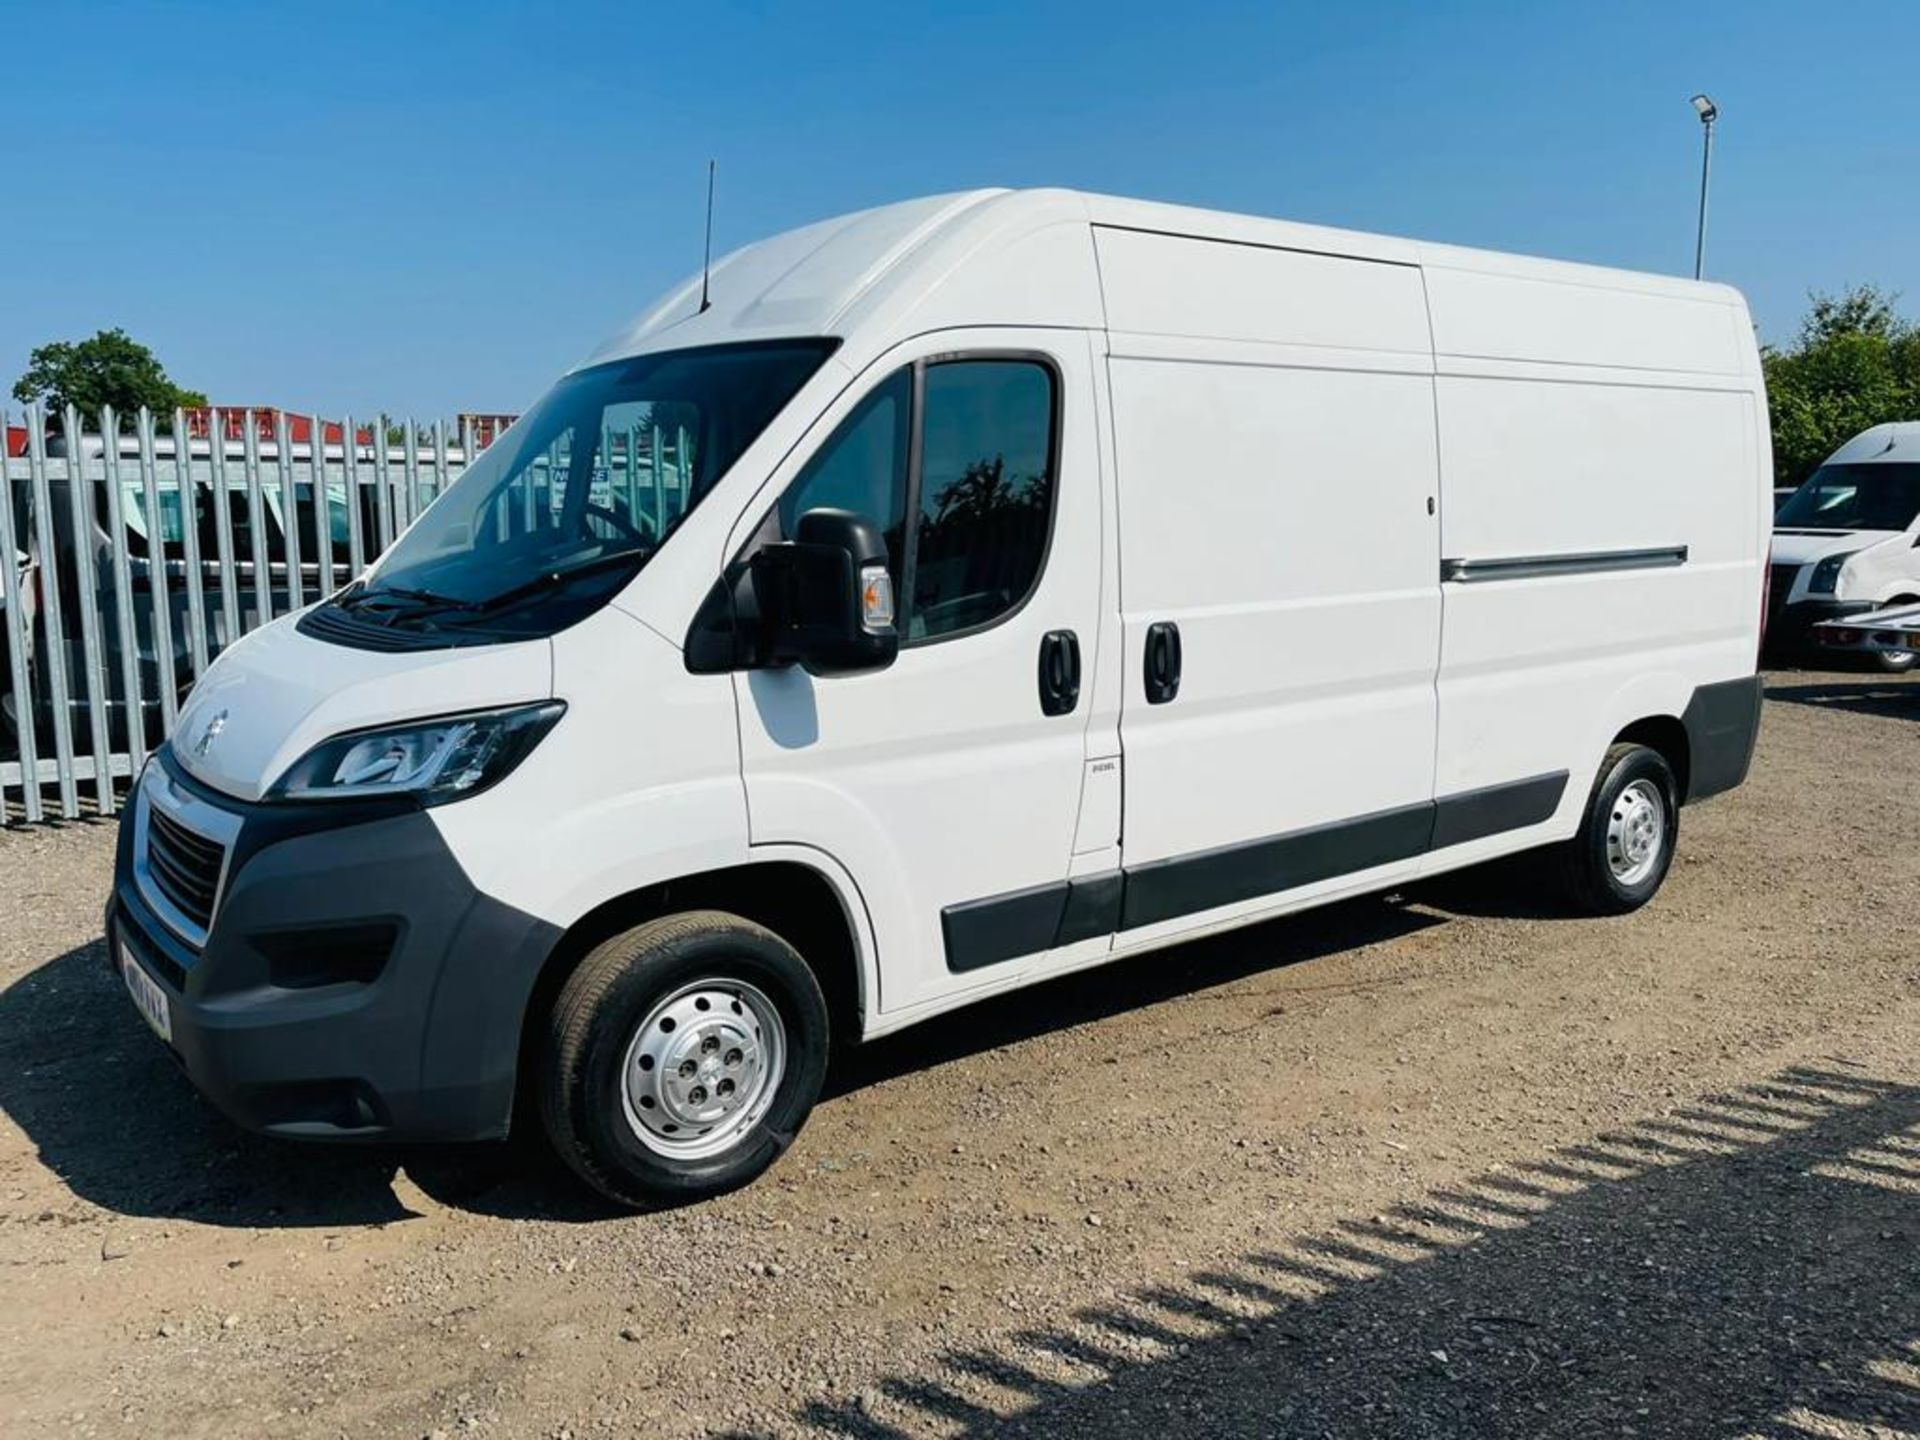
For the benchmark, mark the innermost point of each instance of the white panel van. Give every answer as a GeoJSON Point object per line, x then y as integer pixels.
{"type": "Point", "coordinates": [1040, 578]}
{"type": "Point", "coordinates": [1847, 542]}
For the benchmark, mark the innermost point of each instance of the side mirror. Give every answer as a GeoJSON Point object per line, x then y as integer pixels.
{"type": "Point", "coordinates": [825, 598]}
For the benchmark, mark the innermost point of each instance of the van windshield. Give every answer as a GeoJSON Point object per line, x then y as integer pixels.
{"type": "Point", "coordinates": [575, 497]}
{"type": "Point", "coordinates": [1884, 496]}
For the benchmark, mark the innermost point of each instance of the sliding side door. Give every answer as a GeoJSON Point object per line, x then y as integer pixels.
{"type": "Point", "coordinates": [1276, 465]}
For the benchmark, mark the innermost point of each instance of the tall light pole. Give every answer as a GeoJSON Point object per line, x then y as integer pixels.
{"type": "Point", "coordinates": [1708, 113]}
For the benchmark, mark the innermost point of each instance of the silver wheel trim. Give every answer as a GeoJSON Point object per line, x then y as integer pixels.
{"type": "Point", "coordinates": [1636, 832]}
{"type": "Point", "coordinates": [703, 1068]}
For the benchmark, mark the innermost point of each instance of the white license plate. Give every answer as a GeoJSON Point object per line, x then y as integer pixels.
{"type": "Point", "coordinates": [148, 998]}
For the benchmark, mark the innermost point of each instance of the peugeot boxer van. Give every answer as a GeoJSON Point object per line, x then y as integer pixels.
{"type": "Point", "coordinates": [1057, 578]}
{"type": "Point", "coordinates": [1848, 540]}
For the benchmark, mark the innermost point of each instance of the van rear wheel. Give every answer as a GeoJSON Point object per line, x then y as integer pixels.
{"type": "Point", "coordinates": [1617, 859]}
{"type": "Point", "coordinates": [681, 1058]}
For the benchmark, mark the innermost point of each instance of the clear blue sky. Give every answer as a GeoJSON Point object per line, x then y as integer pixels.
{"type": "Point", "coordinates": [429, 207]}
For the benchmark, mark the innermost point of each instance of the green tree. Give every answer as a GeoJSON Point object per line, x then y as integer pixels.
{"type": "Point", "coordinates": [1855, 363]}
{"type": "Point", "coordinates": [110, 369]}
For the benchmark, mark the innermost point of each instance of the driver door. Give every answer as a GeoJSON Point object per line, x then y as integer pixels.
{"type": "Point", "coordinates": [948, 784]}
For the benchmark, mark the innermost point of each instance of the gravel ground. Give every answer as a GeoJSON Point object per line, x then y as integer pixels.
{"type": "Point", "coordinates": [1438, 1164]}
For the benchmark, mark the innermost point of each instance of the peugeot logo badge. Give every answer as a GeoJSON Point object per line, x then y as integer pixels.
{"type": "Point", "coordinates": [208, 734]}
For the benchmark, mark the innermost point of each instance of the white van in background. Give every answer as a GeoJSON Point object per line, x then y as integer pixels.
{"type": "Point", "coordinates": [1060, 578]}
{"type": "Point", "coordinates": [19, 610]}
{"type": "Point", "coordinates": [1848, 540]}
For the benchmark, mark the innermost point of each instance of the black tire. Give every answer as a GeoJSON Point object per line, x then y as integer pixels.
{"type": "Point", "coordinates": [584, 1104]}
{"type": "Point", "coordinates": [1587, 877]}
{"type": "Point", "coordinates": [1896, 662]}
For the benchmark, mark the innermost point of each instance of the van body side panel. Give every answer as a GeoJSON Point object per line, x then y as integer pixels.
{"type": "Point", "coordinates": [1273, 496]}
{"type": "Point", "coordinates": [1633, 479]}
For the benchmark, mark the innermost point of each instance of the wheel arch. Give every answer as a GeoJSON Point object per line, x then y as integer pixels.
{"type": "Point", "coordinates": [1667, 736]}
{"type": "Point", "coordinates": [795, 896]}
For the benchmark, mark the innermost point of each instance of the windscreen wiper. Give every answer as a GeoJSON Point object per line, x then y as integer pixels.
{"type": "Point", "coordinates": [547, 579]}
{"type": "Point", "coordinates": [416, 599]}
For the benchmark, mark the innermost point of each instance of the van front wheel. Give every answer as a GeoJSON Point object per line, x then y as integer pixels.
{"type": "Point", "coordinates": [1619, 856]}
{"type": "Point", "coordinates": [681, 1058]}
{"type": "Point", "coordinates": [1897, 662]}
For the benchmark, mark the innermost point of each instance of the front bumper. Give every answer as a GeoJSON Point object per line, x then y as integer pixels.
{"type": "Point", "coordinates": [1851, 636]}
{"type": "Point", "coordinates": [1790, 626]}
{"type": "Point", "coordinates": [352, 983]}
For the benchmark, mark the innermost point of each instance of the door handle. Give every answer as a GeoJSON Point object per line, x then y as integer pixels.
{"type": "Point", "coordinates": [1162, 671]}
{"type": "Point", "coordinates": [1059, 672]}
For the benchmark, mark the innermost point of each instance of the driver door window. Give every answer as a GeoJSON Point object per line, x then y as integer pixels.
{"type": "Point", "coordinates": [979, 486]}
{"type": "Point", "coordinates": [862, 468]}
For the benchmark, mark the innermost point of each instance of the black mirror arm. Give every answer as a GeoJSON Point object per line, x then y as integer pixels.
{"type": "Point", "coordinates": [727, 633]}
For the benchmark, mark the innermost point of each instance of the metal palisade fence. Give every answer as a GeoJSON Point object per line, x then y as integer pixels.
{"type": "Point", "coordinates": [129, 559]}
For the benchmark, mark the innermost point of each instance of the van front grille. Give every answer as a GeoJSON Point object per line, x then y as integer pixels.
{"type": "Point", "coordinates": [184, 865]}
{"type": "Point", "coordinates": [1780, 586]}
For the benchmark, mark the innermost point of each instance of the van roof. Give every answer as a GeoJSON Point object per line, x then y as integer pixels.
{"type": "Point", "coordinates": [1895, 443]}
{"type": "Point", "coordinates": [1010, 257]}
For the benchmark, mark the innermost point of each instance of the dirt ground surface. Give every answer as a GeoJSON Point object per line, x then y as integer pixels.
{"type": "Point", "coordinates": [1438, 1164]}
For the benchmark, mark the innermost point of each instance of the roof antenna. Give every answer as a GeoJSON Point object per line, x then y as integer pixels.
{"type": "Point", "coordinates": [706, 257]}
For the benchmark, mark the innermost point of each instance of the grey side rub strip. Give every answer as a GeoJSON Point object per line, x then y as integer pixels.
{"type": "Point", "coordinates": [1001, 927]}
{"type": "Point", "coordinates": [1594, 562]}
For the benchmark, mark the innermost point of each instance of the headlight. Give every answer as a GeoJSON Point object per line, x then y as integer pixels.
{"type": "Point", "coordinates": [431, 760]}
{"type": "Point", "coordinates": [1826, 575]}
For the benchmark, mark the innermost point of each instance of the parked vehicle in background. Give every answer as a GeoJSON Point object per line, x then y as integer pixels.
{"type": "Point", "coordinates": [1056, 577]}
{"type": "Point", "coordinates": [152, 557]}
{"type": "Point", "coordinates": [149, 531]}
{"type": "Point", "coordinates": [19, 610]}
{"type": "Point", "coordinates": [1878, 633]}
{"type": "Point", "coordinates": [1847, 542]}
{"type": "Point", "coordinates": [146, 526]}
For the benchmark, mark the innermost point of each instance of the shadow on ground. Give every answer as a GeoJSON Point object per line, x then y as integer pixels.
{"type": "Point", "coordinates": [118, 1121]}
{"type": "Point", "coordinates": [1743, 1265]}
{"type": "Point", "coordinates": [1888, 697]}
{"type": "Point", "coordinates": [1740, 1266]}
{"type": "Point", "coordinates": [1106, 990]}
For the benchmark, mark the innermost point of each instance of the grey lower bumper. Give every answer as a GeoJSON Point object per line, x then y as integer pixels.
{"type": "Point", "coordinates": [353, 985]}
